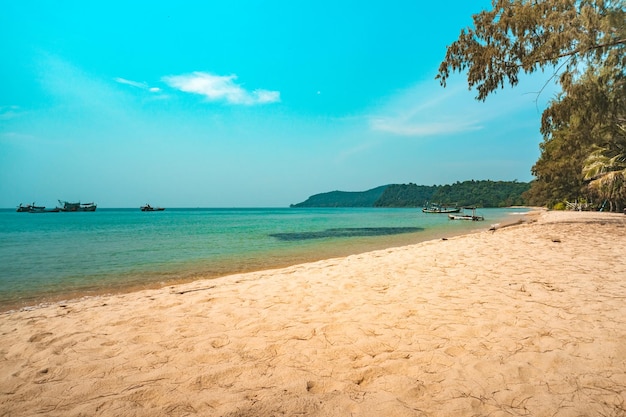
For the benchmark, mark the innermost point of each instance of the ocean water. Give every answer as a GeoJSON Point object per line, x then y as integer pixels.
{"type": "Point", "coordinates": [48, 257]}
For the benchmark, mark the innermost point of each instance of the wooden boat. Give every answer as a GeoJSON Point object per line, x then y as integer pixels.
{"type": "Point", "coordinates": [28, 208]}
{"type": "Point", "coordinates": [32, 208]}
{"type": "Point", "coordinates": [466, 216]}
{"type": "Point", "coordinates": [72, 207]}
{"type": "Point", "coordinates": [440, 209]}
{"type": "Point", "coordinates": [148, 207]}
{"type": "Point", "coordinates": [44, 210]}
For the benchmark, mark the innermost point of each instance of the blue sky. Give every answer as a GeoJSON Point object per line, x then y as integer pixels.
{"type": "Point", "coordinates": [245, 103]}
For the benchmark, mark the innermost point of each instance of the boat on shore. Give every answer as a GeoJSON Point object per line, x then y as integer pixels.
{"type": "Point", "coordinates": [440, 209]}
{"type": "Point", "coordinates": [467, 216]}
{"type": "Point", "coordinates": [148, 207]}
{"type": "Point", "coordinates": [73, 207]}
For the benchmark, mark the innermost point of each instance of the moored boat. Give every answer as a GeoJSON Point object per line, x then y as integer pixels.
{"type": "Point", "coordinates": [28, 208]}
{"type": "Point", "coordinates": [71, 207]}
{"type": "Point", "coordinates": [440, 209]}
{"type": "Point", "coordinates": [32, 208]}
{"type": "Point", "coordinates": [467, 216]}
{"type": "Point", "coordinates": [45, 210]}
{"type": "Point", "coordinates": [148, 207]}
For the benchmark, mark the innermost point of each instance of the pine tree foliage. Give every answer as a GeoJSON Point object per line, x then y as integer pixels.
{"type": "Point", "coordinates": [529, 35]}
{"type": "Point", "coordinates": [584, 42]}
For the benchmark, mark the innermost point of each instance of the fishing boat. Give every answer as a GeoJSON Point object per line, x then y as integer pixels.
{"type": "Point", "coordinates": [28, 207]}
{"type": "Point", "coordinates": [45, 210]}
{"type": "Point", "coordinates": [440, 209]}
{"type": "Point", "coordinates": [148, 207]}
{"type": "Point", "coordinates": [466, 216]}
{"type": "Point", "coordinates": [32, 208]}
{"type": "Point", "coordinates": [72, 207]}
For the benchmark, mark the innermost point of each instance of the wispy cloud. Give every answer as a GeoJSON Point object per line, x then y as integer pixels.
{"type": "Point", "coordinates": [422, 111]}
{"type": "Point", "coordinates": [70, 84]}
{"type": "Point", "coordinates": [16, 136]}
{"type": "Point", "coordinates": [141, 85]}
{"type": "Point", "coordinates": [79, 94]}
{"type": "Point", "coordinates": [9, 112]}
{"type": "Point", "coordinates": [414, 128]}
{"type": "Point", "coordinates": [428, 110]}
{"type": "Point", "coordinates": [220, 88]}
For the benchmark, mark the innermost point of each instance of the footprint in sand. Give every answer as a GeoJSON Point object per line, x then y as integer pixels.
{"type": "Point", "coordinates": [38, 337]}
{"type": "Point", "coordinates": [220, 342]}
{"type": "Point", "coordinates": [455, 351]}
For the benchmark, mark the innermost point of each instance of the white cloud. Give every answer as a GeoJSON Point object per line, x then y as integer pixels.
{"type": "Point", "coordinates": [220, 88]}
{"type": "Point", "coordinates": [143, 86]}
{"type": "Point", "coordinates": [265, 96]}
{"type": "Point", "coordinates": [129, 82]}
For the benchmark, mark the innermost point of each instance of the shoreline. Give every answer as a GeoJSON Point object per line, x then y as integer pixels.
{"type": "Point", "coordinates": [249, 265]}
{"type": "Point", "coordinates": [521, 320]}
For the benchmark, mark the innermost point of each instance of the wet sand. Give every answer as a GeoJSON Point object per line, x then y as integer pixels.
{"type": "Point", "coordinates": [521, 320]}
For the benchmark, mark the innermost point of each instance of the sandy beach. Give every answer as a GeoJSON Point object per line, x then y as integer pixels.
{"type": "Point", "coordinates": [526, 320]}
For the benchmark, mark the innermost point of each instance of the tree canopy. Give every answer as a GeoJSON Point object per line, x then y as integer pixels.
{"type": "Point", "coordinates": [528, 35]}
{"type": "Point", "coordinates": [466, 193]}
{"type": "Point", "coordinates": [584, 42]}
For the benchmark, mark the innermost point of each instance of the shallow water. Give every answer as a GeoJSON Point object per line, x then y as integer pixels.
{"type": "Point", "coordinates": [51, 256]}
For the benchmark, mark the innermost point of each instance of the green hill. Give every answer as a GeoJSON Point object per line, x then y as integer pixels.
{"type": "Point", "coordinates": [406, 195]}
{"type": "Point", "coordinates": [483, 193]}
{"type": "Point", "coordinates": [344, 198]}
{"type": "Point", "coordinates": [468, 193]}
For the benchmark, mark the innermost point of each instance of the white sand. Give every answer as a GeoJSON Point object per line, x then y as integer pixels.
{"type": "Point", "coordinates": [527, 320]}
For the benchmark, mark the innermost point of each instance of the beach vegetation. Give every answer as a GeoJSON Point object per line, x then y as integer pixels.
{"type": "Point", "coordinates": [605, 171]}
{"type": "Point", "coordinates": [583, 42]}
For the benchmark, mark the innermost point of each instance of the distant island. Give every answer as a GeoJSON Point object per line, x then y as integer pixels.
{"type": "Point", "coordinates": [485, 193]}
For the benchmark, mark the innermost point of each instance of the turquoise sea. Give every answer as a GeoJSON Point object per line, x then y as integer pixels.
{"type": "Point", "coordinates": [48, 257]}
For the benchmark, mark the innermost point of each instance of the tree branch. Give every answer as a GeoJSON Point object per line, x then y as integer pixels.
{"type": "Point", "coordinates": [570, 53]}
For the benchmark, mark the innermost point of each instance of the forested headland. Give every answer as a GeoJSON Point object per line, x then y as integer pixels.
{"type": "Point", "coordinates": [468, 193]}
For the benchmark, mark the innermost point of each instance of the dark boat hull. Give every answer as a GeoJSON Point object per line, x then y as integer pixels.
{"type": "Point", "coordinates": [441, 211]}
{"type": "Point", "coordinates": [148, 207]}
{"type": "Point", "coordinates": [74, 207]}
